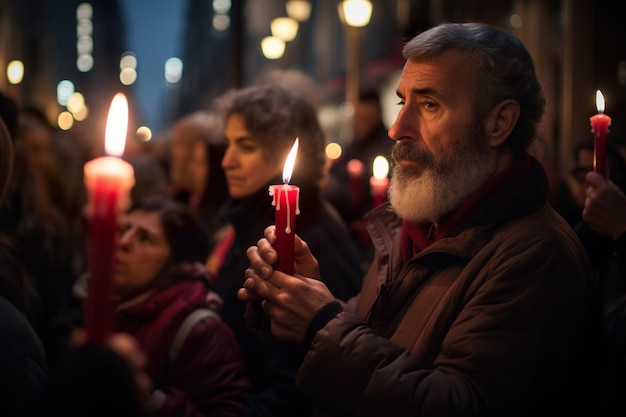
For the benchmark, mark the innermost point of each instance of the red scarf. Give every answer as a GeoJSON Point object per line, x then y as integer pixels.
{"type": "Point", "coordinates": [417, 237]}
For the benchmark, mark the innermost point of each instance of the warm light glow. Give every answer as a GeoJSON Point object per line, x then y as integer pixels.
{"type": "Point", "coordinates": [298, 9]}
{"type": "Point", "coordinates": [272, 47]}
{"type": "Point", "coordinates": [117, 123]}
{"type": "Point", "coordinates": [284, 28]}
{"type": "Point", "coordinates": [599, 101]}
{"type": "Point", "coordinates": [333, 151]}
{"type": "Point", "coordinates": [381, 167]}
{"type": "Point", "coordinates": [221, 22]}
{"type": "Point", "coordinates": [128, 76]}
{"type": "Point", "coordinates": [81, 114]}
{"type": "Point", "coordinates": [75, 102]}
{"type": "Point", "coordinates": [65, 121]}
{"type": "Point", "coordinates": [144, 133]}
{"type": "Point", "coordinates": [357, 13]}
{"type": "Point", "coordinates": [15, 72]}
{"type": "Point", "coordinates": [290, 162]}
{"type": "Point", "coordinates": [128, 60]}
{"type": "Point", "coordinates": [355, 168]}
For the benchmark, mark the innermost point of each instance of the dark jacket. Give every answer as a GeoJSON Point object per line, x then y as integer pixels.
{"type": "Point", "coordinates": [492, 320]}
{"type": "Point", "coordinates": [24, 369]}
{"type": "Point", "coordinates": [272, 365]}
{"type": "Point", "coordinates": [206, 378]}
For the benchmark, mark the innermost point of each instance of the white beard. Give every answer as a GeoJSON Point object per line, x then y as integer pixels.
{"type": "Point", "coordinates": [440, 186]}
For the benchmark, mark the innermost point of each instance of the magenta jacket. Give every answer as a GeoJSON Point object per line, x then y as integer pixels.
{"type": "Point", "coordinates": [207, 377]}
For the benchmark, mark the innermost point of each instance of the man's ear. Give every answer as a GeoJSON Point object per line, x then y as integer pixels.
{"type": "Point", "coordinates": [501, 121]}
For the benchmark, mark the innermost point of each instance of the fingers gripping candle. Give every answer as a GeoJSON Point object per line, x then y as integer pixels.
{"type": "Point", "coordinates": [286, 199]}
{"type": "Point", "coordinates": [108, 180]}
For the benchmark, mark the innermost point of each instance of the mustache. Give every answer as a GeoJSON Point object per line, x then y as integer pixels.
{"type": "Point", "coordinates": [403, 151]}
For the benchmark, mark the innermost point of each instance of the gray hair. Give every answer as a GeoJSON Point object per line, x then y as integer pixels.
{"type": "Point", "coordinates": [505, 71]}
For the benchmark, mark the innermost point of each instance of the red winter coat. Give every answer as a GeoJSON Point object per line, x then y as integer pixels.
{"type": "Point", "coordinates": [207, 376]}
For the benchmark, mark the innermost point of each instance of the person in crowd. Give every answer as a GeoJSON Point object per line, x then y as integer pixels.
{"type": "Point", "coordinates": [196, 176]}
{"type": "Point", "coordinates": [38, 220]}
{"type": "Point", "coordinates": [23, 361]}
{"type": "Point", "coordinates": [603, 232]}
{"type": "Point", "coordinates": [583, 164]}
{"type": "Point", "coordinates": [162, 286]}
{"type": "Point", "coordinates": [594, 198]}
{"type": "Point", "coordinates": [478, 302]}
{"type": "Point", "coordinates": [348, 187]}
{"type": "Point", "coordinates": [261, 125]}
{"type": "Point", "coordinates": [150, 177]}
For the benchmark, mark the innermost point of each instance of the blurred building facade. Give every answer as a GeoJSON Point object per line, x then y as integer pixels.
{"type": "Point", "coordinates": [577, 46]}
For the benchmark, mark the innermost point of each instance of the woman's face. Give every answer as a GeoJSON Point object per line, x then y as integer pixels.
{"type": "Point", "coordinates": [142, 251]}
{"type": "Point", "coordinates": [247, 168]}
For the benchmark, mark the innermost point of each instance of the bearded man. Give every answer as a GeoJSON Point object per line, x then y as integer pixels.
{"type": "Point", "coordinates": [478, 302]}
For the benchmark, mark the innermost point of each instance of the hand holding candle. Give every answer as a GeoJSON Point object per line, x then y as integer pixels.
{"type": "Point", "coordinates": [599, 127]}
{"type": "Point", "coordinates": [379, 181]}
{"type": "Point", "coordinates": [286, 201]}
{"type": "Point", "coordinates": [108, 180]}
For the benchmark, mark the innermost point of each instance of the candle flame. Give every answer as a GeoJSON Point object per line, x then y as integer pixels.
{"type": "Point", "coordinates": [599, 101]}
{"type": "Point", "coordinates": [117, 123]}
{"type": "Point", "coordinates": [380, 167]}
{"type": "Point", "coordinates": [289, 163]}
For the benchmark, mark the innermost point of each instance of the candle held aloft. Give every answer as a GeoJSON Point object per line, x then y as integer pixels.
{"type": "Point", "coordinates": [379, 181]}
{"type": "Point", "coordinates": [286, 199]}
{"type": "Point", "coordinates": [108, 181]}
{"type": "Point", "coordinates": [599, 127]}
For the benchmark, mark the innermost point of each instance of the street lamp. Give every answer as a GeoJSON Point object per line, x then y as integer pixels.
{"type": "Point", "coordinates": [272, 47]}
{"type": "Point", "coordinates": [285, 28]}
{"type": "Point", "coordinates": [298, 9]}
{"type": "Point", "coordinates": [355, 14]}
{"type": "Point", "coordinates": [15, 71]}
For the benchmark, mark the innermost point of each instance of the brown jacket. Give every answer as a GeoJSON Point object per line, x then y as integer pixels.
{"type": "Point", "coordinates": [492, 321]}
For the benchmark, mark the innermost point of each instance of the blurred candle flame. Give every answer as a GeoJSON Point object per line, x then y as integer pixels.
{"type": "Point", "coordinates": [116, 127]}
{"type": "Point", "coordinates": [380, 167]}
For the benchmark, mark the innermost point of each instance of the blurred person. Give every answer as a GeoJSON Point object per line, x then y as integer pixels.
{"type": "Point", "coordinates": [603, 232]}
{"type": "Point", "coordinates": [353, 197]}
{"type": "Point", "coordinates": [478, 302]}
{"type": "Point", "coordinates": [23, 361]}
{"type": "Point", "coordinates": [261, 125]}
{"type": "Point", "coordinates": [196, 176]}
{"type": "Point", "coordinates": [186, 132]}
{"type": "Point", "coordinates": [150, 177]}
{"type": "Point", "coordinates": [38, 220]}
{"type": "Point", "coordinates": [583, 164]}
{"type": "Point", "coordinates": [161, 284]}
{"type": "Point", "coordinates": [296, 81]}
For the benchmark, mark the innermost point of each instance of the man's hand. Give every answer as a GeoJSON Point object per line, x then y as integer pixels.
{"type": "Point", "coordinates": [605, 207]}
{"type": "Point", "coordinates": [290, 301]}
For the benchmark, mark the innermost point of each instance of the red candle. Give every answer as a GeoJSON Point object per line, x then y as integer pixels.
{"type": "Point", "coordinates": [599, 127]}
{"type": "Point", "coordinates": [379, 181]}
{"type": "Point", "coordinates": [108, 180]}
{"type": "Point", "coordinates": [286, 200]}
{"type": "Point", "coordinates": [355, 170]}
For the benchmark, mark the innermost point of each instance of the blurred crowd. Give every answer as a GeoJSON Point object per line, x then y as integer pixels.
{"type": "Point", "coordinates": [200, 200]}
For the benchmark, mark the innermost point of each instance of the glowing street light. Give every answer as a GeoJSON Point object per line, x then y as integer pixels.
{"type": "Point", "coordinates": [298, 9]}
{"type": "Point", "coordinates": [272, 47]}
{"type": "Point", "coordinates": [15, 71]}
{"type": "Point", "coordinates": [284, 28]}
{"type": "Point", "coordinates": [355, 14]}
